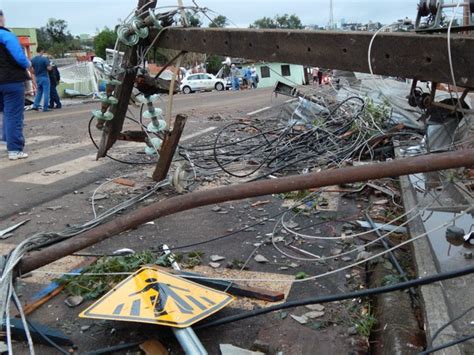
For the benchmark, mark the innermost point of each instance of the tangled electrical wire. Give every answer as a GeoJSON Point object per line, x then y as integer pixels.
{"type": "Point", "coordinates": [307, 134]}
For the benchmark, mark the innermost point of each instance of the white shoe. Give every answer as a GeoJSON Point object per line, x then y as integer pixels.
{"type": "Point", "coordinates": [17, 155]}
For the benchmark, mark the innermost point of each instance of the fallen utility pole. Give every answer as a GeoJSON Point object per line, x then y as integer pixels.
{"type": "Point", "coordinates": [406, 166]}
{"type": "Point", "coordinates": [123, 93]}
{"type": "Point", "coordinates": [406, 55]}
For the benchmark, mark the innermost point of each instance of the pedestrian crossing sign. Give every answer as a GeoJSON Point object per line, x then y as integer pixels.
{"type": "Point", "coordinates": [153, 296]}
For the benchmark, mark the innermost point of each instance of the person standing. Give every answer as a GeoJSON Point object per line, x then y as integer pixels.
{"type": "Point", "coordinates": [314, 74]}
{"type": "Point", "coordinates": [248, 78]}
{"type": "Point", "coordinates": [41, 67]}
{"type": "Point", "coordinates": [234, 77]}
{"type": "Point", "coordinates": [254, 75]}
{"type": "Point", "coordinates": [13, 67]}
{"type": "Point", "coordinates": [320, 76]}
{"type": "Point", "coordinates": [54, 78]}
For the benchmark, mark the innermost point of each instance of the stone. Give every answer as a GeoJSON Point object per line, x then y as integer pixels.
{"type": "Point", "coordinates": [259, 345]}
{"type": "Point", "coordinates": [278, 239]}
{"type": "Point", "coordinates": [336, 251]}
{"type": "Point", "coordinates": [346, 258]}
{"type": "Point", "coordinates": [299, 319]}
{"type": "Point", "coordinates": [99, 197]}
{"type": "Point", "coordinates": [363, 255]}
{"type": "Point", "coordinates": [381, 202]}
{"type": "Point", "coordinates": [315, 307]}
{"type": "Point", "coordinates": [260, 259]}
{"type": "Point", "coordinates": [73, 301]}
{"type": "Point", "coordinates": [229, 349]}
{"type": "Point", "coordinates": [313, 314]}
{"type": "Point", "coordinates": [216, 258]}
{"type": "Point", "coordinates": [294, 265]}
{"type": "Point", "coordinates": [352, 331]}
{"type": "Point", "coordinates": [283, 268]}
{"type": "Point", "coordinates": [54, 208]}
{"type": "Point", "coordinates": [216, 209]}
{"type": "Point", "coordinates": [291, 224]}
{"type": "Point", "coordinates": [214, 265]}
{"type": "Point", "coordinates": [85, 328]}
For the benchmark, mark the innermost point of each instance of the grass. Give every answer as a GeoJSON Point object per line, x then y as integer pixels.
{"type": "Point", "coordinates": [94, 286]}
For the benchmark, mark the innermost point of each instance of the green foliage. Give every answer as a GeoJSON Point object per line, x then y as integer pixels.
{"type": "Point", "coordinates": [219, 22]}
{"type": "Point", "coordinates": [377, 113]}
{"type": "Point", "coordinates": [214, 63]}
{"type": "Point", "coordinates": [57, 30]}
{"type": "Point", "coordinates": [56, 39]}
{"type": "Point", "coordinates": [94, 286]}
{"type": "Point", "coordinates": [390, 279]}
{"type": "Point", "coordinates": [279, 21]}
{"type": "Point", "coordinates": [366, 322]}
{"type": "Point", "coordinates": [104, 39]}
{"type": "Point", "coordinates": [301, 275]}
{"type": "Point", "coordinates": [193, 19]}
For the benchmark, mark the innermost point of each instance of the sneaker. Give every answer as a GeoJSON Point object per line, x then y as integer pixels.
{"type": "Point", "coordinates": [35, 108]}
{"type": "Point", "coordinates": [17, 155]}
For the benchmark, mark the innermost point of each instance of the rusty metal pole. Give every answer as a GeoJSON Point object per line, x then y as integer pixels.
{"type": "Point", "coordinates": [421, 164]}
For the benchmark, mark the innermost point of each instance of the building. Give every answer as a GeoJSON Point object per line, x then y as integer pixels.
{"type": "Point", "coordinates": [270, 73]}
{"type": "Point", "coordinates": [28, 39]}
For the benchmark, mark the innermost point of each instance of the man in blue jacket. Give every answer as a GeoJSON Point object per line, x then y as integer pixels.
{"type": "Point", "coordinates": [13, 66]}
{"type": "Point", "coordinates": [41, 67]}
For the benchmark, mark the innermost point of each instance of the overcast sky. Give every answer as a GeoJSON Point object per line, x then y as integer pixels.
{"type": "Point", "coordinates": [86, 16]}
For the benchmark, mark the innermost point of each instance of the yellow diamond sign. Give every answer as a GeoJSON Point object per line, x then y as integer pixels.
{"type": "Point", "coordinates": [153, 296]}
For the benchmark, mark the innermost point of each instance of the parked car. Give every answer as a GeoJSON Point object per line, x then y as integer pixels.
{"type": "Point", "coordinates": [200, 82]}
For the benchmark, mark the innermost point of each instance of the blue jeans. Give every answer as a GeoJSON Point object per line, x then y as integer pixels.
{"type": "Point", "coordinates": [235, 84]}
{"type": "Point", "coordinates": [54, 98]}
{"type": "Point", "coordinates": [12, 101]}
{"type": "Point", "coordinates": [43, 87]}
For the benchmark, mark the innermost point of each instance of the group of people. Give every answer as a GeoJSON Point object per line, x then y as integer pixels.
{"type": "Point", "coordinates": [14, 73]}
{"type": "Point", "coordinates": [249, 77]}
{"type": "Point", "coordinates": [47, 79]}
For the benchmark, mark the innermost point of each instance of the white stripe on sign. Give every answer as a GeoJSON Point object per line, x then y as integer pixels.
{"type": "Point", "coordinates": [59, 172]}
{"type": "Point", "coordinates": [258, 111]}
{"type": "Point", "coordinates": [196, 134]}
{"type": "Point", "coordinates": [43, 153]}
{"type": "Point", "coordinates": [40, 139]}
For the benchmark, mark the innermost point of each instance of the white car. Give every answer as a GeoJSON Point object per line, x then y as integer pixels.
{"type": "Point", "coordinates": [201, 81]}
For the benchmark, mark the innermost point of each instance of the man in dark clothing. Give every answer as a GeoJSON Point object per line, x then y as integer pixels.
{"type": "Point", "coordinates": [54, 79]}
{"type": "Point", "coordinates": [13, 66]}
{"type": "Point", "coordinates": [41, 67]}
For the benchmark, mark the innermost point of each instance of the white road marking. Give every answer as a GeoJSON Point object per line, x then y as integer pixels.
{"type": "Point", "coordinates": [35, 116]}
{"type": "Point", "coordinates": [40, 139]}
{"type": "Point", "coordinates": [59, 172]}
{"type": "Point", "coordinates": [258, 111]}
{"type": "Point", "coordinates": [196, 134]}
{"type": "Point", "coordinates": [43, 153]}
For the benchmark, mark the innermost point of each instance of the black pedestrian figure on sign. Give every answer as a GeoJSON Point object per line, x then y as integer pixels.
{"type": "Point", "coordinates": [164, 292]}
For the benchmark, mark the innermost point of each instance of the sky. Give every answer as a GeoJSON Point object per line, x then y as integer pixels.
{"type": "Point", "coordinates": [86, 16]}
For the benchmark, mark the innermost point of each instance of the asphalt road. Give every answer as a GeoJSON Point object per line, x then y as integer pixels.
{"type": "Point", "coordinates": [62, 157]}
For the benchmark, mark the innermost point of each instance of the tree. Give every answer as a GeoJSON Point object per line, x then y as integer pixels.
{"type": "Point", "coordinates": [264, 22]}
{"type": "Point", "coordinates": [279, 21]}
{"type": "Point", "coordinates": [57, 30]}
{"type": "Point", "coordinates": [193, 19]}
{"type": "Point", "coordinates": [103, 40]}
{"type": "Point", "coordinates": [219, 22]}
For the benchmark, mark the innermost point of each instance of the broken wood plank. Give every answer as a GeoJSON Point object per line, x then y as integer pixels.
{"type": "Point", "coordinates": [170, 143]}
